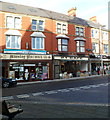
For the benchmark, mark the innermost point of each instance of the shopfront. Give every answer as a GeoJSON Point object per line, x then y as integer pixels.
{"type": "Point", "coordinates": [26, 67]}
{"type": "Point", "coordinates": [69, 65]}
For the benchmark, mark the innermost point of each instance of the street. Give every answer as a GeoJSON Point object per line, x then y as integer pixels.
{"type": "Point", "coordinates": [86, 98]}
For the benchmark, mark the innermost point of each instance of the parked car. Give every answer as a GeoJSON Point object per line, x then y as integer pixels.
{"type": "Point", "coordinates": [8, 82]}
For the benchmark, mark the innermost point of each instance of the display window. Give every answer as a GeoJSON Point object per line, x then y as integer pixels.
{"type": "Point", "coordinates": [29, 71]}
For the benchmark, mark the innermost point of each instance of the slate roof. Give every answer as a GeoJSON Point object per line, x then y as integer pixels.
{"type": "Point", "coordinates": [35, 11]}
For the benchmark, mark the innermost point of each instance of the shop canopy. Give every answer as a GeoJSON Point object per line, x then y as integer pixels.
{"type": "Point", "coordinates": [38, 34]}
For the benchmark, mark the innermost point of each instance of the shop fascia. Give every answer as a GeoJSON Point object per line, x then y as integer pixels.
{"type": "Point", "coordinates": [24, 57]}
{"type": "Point", "coordinates": [70, 58]}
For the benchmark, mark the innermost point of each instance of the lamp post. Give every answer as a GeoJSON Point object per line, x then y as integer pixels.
{"type": "Point", "coordinates": [100, 47]}
{"type": "Point", "coordinates": [89, 63]}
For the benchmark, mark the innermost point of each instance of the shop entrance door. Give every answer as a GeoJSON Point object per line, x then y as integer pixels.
{"type": "Point", "coordinates": [56, 71]}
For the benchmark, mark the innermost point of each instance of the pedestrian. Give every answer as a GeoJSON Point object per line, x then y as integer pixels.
{"type": "Point", "coordinates": [98, 71]}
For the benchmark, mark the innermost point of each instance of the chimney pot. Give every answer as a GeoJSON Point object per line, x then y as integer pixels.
{"type": "Point", "coordinates": [72, 12]}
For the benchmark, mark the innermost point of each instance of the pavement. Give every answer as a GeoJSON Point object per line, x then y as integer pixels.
{"type": "Point", "coordinates": [58, 80]}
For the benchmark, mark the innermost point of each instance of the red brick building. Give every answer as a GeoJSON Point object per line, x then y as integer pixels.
{"type": "Point", "coordinates": [40, 44]}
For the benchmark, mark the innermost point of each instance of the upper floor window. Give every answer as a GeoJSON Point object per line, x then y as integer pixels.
{"type": "Point", "coordinates": [80, 46]}
{"type": "Point", "coordinates": [38, 25]}
{"type": "Point", "coordinates": [79, 31]}
{"type": "Point", "coordinates": [61, 28]}
{"type": "Point", "coordinates": [13, 41]}
{"type": "Point", "coordinates": [105, 35]}
{"type": "Point", "coordinates": [105, 48]}
{"type": "Point", "coordinates": [94, 33]}
{"type": "Point", "coordinates": [13, 22]}
{"type": "Point", "coordinates": [95, 47]}
{"type": "Point", "coordinates": [62, 44]}
{"type": "Point", "coordinates": [37, 43]}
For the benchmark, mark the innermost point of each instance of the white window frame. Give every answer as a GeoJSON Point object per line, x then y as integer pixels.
{"type": "Point", "coordinates": [12, 23]}
{"type": "Point", "coordinates": [95, 47]}
{"type": "Point", "coordinates": [63, 45]}
{"type": "Point", "coordinates": [80, 48]}
{"type": "Point", "coordinates": [105, 47]}
{"type": "Point", "coordinates": [13, 42]}
{"type": "Point", "coordinates": [79, 32]}
{"type": "Point", "coordinates": [37, 25]}
{"type": "Point", "coordinates": [61, 27]}
{"type": "Point", "coordinates": [39, 45]}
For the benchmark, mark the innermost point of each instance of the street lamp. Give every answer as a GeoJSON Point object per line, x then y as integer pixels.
{"type": "Point", "coordinates": [89, 63]}
{"type": "Point", "coordinates": [100, 47]}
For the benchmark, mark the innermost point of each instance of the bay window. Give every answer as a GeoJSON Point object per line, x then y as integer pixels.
{"type": "Point", "coordinates": [13, 41]}
{"type": "Point", "coordinates": [62, 45]}
{"type": "Point", "coordinates": [80, 46]}
{"type": "Point", "coordinates": [37, 43]}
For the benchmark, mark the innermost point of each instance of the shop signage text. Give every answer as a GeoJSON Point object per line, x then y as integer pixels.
{"type": "Point", "coordinates": [69, 58]}
{"type": "Point", "coordinates": [25, 57]}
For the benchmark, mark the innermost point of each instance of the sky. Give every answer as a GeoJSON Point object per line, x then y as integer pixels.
{"type": "Point", "coordinates": [85, 8]}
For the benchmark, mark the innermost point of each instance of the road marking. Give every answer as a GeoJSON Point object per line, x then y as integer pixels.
{"type": "Point", "coordinates": [23, 96]}
{"type": "Point", "coordinates": [50, 92]}
{"type": "Point", "coordinates": [8, 98]}
{"type": "Point", "coordinates": [85, 87]}
{"type": "Point", "coordinates": [73, 89]}
{"type": "Point", "coordinates": [63, 90]}
{"type": "Point", "coordinates": [55, 91]}
{"type": "Point", "coordinates": [36, 94]}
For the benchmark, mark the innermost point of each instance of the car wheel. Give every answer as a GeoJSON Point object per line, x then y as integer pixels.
{"type": "Point", "coordinates": [6, 84]}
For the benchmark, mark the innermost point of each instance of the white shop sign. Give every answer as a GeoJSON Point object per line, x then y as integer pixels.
{"type": "Point", "coordinates": [69, 58]}
{"type": "Point", "coordinates": [25, 57]}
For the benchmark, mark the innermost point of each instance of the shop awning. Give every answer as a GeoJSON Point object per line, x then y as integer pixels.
{"type": "Point", "coordinates": [62, 36]}
{"type": "Point", "coordinates": [13, 32]}
{"type": "Point", "coordinates": [38, 34]}
{"type": "Point", "coordinates": [80, 39]}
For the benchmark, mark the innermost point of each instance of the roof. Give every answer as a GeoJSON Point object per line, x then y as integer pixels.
{"type": "Point", "coordinates": [34, 11]}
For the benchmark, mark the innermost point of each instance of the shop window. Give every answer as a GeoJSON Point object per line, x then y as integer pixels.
{"type": "Point", "coordinates": [38, 25]}
{"type": "Point", "coordinates": [80, 46]}
{"type": "Point", "coordinates": [62, 45]}
{"type": "Point", "coordinates": [13, 41]}
{"type": "Point", "coordinates": [37, 43]}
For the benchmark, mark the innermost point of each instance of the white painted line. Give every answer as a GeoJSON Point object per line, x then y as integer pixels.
{"type": "Point", "coordinates": [50, 92]}
{"type": "Point", "coordinates": [64, 90]}
{"type": "Point", "coordinates": [36, 94]}
{"type": "Point", "coordinates": [7, 98]}
{"type": "Point", "coordinates": [23, 96]}
{"type": "Point", "coordinates": [106, 84]}
{"type": "Point", "coordinates": [95, 86]}
{"type": "Point", "coordinates": [86, 87]}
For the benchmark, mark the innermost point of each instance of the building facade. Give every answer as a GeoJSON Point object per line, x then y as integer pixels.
{"type": "Point", "coordinates": [38, 44]}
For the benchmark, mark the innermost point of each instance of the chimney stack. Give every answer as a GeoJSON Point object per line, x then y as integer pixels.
{"type": "Point", "coordinates": [94, 19]}
{"type": "Point", "coordinates": [72, 12]}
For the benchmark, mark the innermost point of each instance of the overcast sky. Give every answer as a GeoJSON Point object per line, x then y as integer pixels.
{"type": "Point", "coordinates": [85, 8]}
